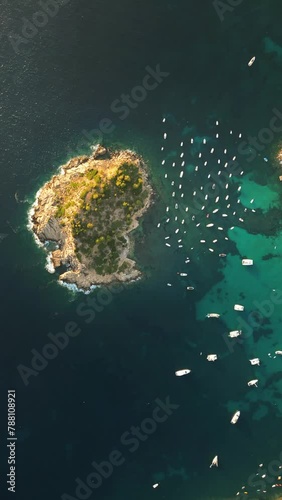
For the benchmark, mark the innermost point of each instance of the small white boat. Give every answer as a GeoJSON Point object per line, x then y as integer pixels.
{"type": "Point", "coordinates": [183, 274]}
{"type": "Point", "coordinates": [190, 288]}
{"type": "Point", "coordinates": [255, 361]}
{"type": "Point", "coordinates": [234, 333]}
{"type": "Point", "coordinates": [210, 225]}
{"type": "Point", "coordinates": [212, 357]}
{"type": "Point", "coordinates": [235, 417]}
{"type": "Point", "coordinates": [212, 315]}
{"type": "Point", "coordinates": [222, 255]}
{"type": "Point", "coordinates": [247, 262]}
{"type": "Point", "coordinates": [155, 485]}
{"type": "Point", "coordinates": [238, 307]}
{"type": "Point", "coordinates": [180, 373]}
{"type": "Point", "coordinates": [253, 382]}
{"type": "Point", "coordinates": [214, 461]}
{"type": "Point", "coordinates": [251, 61]}
{"type": "Point", "coordinates": [278, 352]}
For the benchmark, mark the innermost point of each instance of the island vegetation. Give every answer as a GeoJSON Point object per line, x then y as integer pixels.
{"type": "Point", "coordinates": [88, 211]}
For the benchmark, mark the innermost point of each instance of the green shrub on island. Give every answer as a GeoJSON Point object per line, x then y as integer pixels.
{"type": "Point", "coordinates": [99, 207]}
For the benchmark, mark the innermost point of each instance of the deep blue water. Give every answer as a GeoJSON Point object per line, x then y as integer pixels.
{"type": "Point", "coordinates": [75, 411]}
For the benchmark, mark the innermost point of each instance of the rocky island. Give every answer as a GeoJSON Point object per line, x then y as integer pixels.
{"type": "Point", "coordinates": [84, 216]}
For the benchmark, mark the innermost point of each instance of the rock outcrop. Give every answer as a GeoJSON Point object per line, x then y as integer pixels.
{"type": "Point", "coordinates": [66, 205]}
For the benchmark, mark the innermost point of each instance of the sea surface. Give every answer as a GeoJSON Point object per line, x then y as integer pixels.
{"type": "Point", "coordinates": [59, 83]}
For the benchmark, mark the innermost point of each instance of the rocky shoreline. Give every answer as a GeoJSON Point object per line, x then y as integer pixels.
{"type": "Point", "coordinates": [54, 232]}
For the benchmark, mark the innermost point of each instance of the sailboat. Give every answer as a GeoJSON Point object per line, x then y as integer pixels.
{"type": "Point", "coordinates": [214, 461]}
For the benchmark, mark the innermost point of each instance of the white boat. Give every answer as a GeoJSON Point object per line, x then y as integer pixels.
{"type": "Point", "coordinates": [190, 288]}
{"type": "Point", "coordinates": [235, 417]}
{"type": "Point", "coordinates": [180, 373]}
{"type": "Point", "coordinates": [251, 61]}
{"type": "Point", "coordinates": [278, 352]}
{"type": "Point", "coordinates": [253, 382]}
{"type": "Point", "coordinates": [183, 274]}
{"type": "Point", "coordinates": [212, 357]}
{"type": "Point", "coordinates": [238, 307]}
{"type": "Point", "coordinates": [155, 485]}
{"type": "Point", "coordinates": [214, 461]}
{"type": "Point", "coordinates": [256, 361]}
{"type": "Point", "coordinates": [234, 333]}
{"type": "Point", "coordinates": [212, 315]}
{"type": "Point", "coordinates": [247, 262]}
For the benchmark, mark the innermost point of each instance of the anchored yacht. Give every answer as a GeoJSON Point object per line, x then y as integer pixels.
{"type": "Point", "coordinates": [255, 361]}
{"type": "Point", "coordinates": [234, 333]}
{"type": "Point", "coordinates": [238, 307]}
{"type": "Point", "coordinates": [212, 315]}
{"type": "Point", "coordinates": [212, 357]}
{"type": "Point", "coordinates": [235, 417]}
{"type": "Point", "coordinates": [180, 373]}
{"type": "Point", "coordinates": [247, 262]}
{"type": "Point", "coordinates": [251, 61]}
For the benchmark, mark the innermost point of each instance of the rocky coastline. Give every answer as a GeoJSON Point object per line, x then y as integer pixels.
{"type": "Point", "coordinates": [55, 232]}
